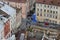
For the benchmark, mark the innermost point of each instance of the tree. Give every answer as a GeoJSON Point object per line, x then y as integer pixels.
{"type": "Point", "coordinates": [30, 29]}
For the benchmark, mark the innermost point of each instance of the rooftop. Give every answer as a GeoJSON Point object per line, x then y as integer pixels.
{"type": "Point", "coordinates": [49, 2]}
{"type": "Point", "coordinates": [51, 25]}
{"type": "Point", "coordinates": [9, 10]}
{"type": "Point", "coordinates": [4, 14]}
{"type": "Point", "coordinates": [18, 1]}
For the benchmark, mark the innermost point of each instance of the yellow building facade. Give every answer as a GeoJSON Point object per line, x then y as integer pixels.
{"type": "Point", "coordinates": [48, 13]}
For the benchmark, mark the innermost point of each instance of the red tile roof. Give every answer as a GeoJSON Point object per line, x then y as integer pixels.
{"type": "Point", "coordinates": [19, 1]}
{"type": "Point", "coordinates": [51, 2]}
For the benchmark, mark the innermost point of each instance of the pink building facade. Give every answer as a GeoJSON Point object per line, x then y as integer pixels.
{"type": "Point", "coordinates": [26, 5]}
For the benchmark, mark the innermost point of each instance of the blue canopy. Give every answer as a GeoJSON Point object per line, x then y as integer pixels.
{"type": "Point", "coordinates": [34, 18]}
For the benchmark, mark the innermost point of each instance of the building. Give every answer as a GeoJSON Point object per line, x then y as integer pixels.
{"type": "Point", "coordinates": [12, 12]}
{"type": "Point", "coordinates": [9, 21]}
{"type": "Point", "coordinates": [48, 11]}
{"type": "Point", "coordinates": [18, 17]}
{"type": "Point", "coordinates": [15, 16]}
{"type": "Point", "coordinates": [26, 5]}
{"type": "Point", "coordinates": [23, 6]}
{"type": "Point", "coordinates": [12, 38]}
{"type": "Point", "coordinates": [4, 25]}
{"type": "Point", "coordinates": [1, 31]}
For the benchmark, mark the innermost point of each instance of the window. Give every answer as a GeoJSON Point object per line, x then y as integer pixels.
{"type": "Point", "coordinates": [55, 22]}
{"type": "Point", "coordinates": [44, 1]}
{"type": "Point", "coordinates": [8, 3]}
{"type": "Point", "coordinates": [47, 15]}
{"type": "Point", "coordinates": [51, 1]}
{"type": "Point", "coordinates": [48, 6]}
{"type": "Point", "coordinates": [41, 14]}
{"type": "Point", "coordinates": [56, 7]}
{"type": "Point", "coordinates": [37, 4]}
{"type": "Point", "coordinates": [41, 5]}
{"type": "Point", "coordinates": [56, 17]}
{"type": "Point", "coordinates": [47, 10]}
{"type": "Point", "coordinates": [9, 35]}
{"type": "Point", "coordinates": [37, 14]}
{"type": "Point", "coordinates": [11, 21]}
{"type": "Point", "coordinates": [44, 5]}
{"type": "Point", "coordinates": [51, 11]}
{"type": "Point", "coordinates": [50, 16]}
{"type": "Point", "coordinates": [44, 10]}
{"type": "Point", "coordinates": [53, 16]}
{"type": "Point", "coordinates": [37, 9]}
{"type": "Point", "coordinates": [50, 21]}
{"type": "Point", "coordinates": [51, 7]}
{"type": "Point", "coordinates": [40, 9]}
{"type": "Point", "coordinates": [58, 2]}
{"type": "Point", "coordinates": [44, 14]}
{"type": "Point", "coordinates": [56, 12]}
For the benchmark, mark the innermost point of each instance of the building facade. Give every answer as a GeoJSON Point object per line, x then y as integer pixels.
{"type": "Point", "coordinates": [26, 5]}
{"type": "Point", "coordinates": [48, 11]}
{"type": "Point", "coordinates": [7, 31]}
{"type": "Point", "coordinates": [1, 31]}
{"type": "Point", "coordinates": [5, 26]}
{"type": "Point", "coordinates": [12, 12]}
{"type": "Point", "coordinates": [7, 21]}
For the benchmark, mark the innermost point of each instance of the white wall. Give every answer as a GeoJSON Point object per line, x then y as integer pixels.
{"type": "Point", "coordinates": [2, 33]}
{"type": "Point", "coordinates": [50, 8]}
{"type": "Point", "coordinates": [12, 38]}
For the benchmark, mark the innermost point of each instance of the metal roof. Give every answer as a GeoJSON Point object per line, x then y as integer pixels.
{"type": "Point", "coordinates": [9, 10]}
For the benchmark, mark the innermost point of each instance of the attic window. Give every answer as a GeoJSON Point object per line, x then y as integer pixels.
{"type": "Point", "coordinates": [44, 1]}
{"type": "Point", "coordinates": [58, 2]}
{"type": "Point", "coordinates": [51, 1]}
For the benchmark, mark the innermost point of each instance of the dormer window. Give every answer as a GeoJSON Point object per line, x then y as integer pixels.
{"type": "Point", "coordinates": [58, 2]}
{"type": "Point", "coordinates": [52, 2]}
{"type": "Point", "coordinates": [44, 1]}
